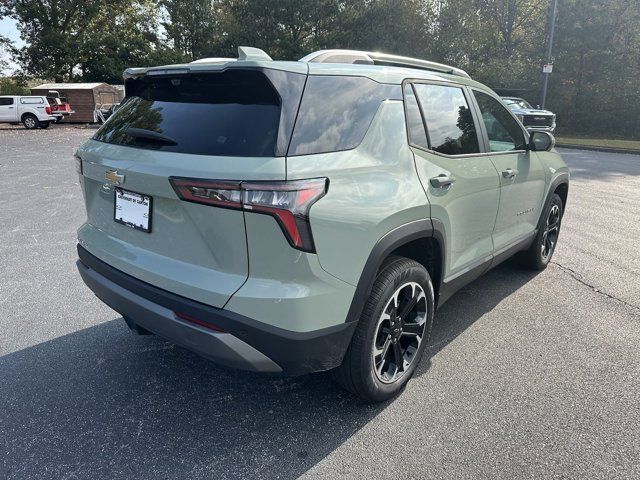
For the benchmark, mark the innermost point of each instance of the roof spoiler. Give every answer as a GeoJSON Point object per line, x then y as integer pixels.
{"type": "Point", "coordinates": [245, 54]}
{"type": "Point", "coordinates": [377, 58]}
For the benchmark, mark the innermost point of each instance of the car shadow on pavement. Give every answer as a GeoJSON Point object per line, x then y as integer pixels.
{"type": "Point", "coordinates": [103, 403]}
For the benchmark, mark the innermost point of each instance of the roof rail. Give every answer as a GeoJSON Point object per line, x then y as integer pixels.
{"type": "Point", "coordinates": [377, 58]}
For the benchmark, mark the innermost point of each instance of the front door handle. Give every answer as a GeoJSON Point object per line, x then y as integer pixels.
{"type": "Point", "coordinates": [509, 173]}
{"type": "Point", "coordinates": [442, 180]}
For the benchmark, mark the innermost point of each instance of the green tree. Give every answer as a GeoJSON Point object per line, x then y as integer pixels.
{"type": "Point", "coordinates": [403, 28]}
{"type": "Point", "coordinates": [286, 29]}
{"type": "Point", "coordinates": [192, 27]}
{"type": "Point", "coordinates": [6, 47]}
{"type": "Point", "coordinates": [69, 40]}
{"type": "Point", "coordinates": [595, 83]}
{"type": "Point", "coordinates": [121, 38]}
{"type": "Point", "coordinates": [13, 86]}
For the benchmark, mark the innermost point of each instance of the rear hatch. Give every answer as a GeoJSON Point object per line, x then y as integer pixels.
{"type": "Point", "coordinates": [226, 124]}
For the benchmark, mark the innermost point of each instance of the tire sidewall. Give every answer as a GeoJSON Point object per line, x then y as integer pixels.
{"type": "Point", "coordinates": [417, 273]}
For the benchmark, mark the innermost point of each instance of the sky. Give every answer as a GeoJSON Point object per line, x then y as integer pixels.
{"type": "Point", "coordinates": [8, 29]}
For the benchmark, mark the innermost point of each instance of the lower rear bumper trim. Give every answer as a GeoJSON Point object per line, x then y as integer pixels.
{"type": "Point", "coordinates": [247, 343]}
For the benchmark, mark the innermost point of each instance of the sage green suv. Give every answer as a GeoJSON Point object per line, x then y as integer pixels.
{"type": "Point", "coordinates": [305, 216]}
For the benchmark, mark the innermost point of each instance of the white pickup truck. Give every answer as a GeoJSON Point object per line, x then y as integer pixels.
{"type": "Point", "coordinates": [32, 111]}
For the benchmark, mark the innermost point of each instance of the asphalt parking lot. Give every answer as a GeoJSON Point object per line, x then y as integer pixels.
{"type": "Point", "coordinates": [527, 375]}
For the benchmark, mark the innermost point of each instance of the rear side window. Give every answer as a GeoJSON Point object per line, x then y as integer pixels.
{"type": "Point", "coordinates": [415, 126]}
{"type": "Point", "coordinates": [31, 100]}
{"type": "Point", "coordinates": [335, 113]}
{"type": "Point", "coordinates": [233, 113]}
{"type": "Point", "coordinates": [6, 101]}
{"type": "Point", "coordinates": [449, 120]}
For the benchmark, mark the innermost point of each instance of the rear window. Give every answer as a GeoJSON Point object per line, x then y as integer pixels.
{"type": "Point", "coordinates": [233, 113]}
{"type": "Point", "coordinates": [335, 113]}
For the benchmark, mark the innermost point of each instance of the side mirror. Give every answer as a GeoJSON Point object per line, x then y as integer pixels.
{"type": "Point", "coordinates": [541, 141]}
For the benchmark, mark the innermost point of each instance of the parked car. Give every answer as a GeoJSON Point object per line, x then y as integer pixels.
{"type": "Point", "coordinates": [529, 116]}
{"type": "Point", "coordinates": [31, 111]}
{"type": "Point", "coordinates": [305, 216]}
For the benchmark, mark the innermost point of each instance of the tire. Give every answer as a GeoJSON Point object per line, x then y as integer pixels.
{"type": "Point", "coordinates": [44, 124]}
{"type": "Point", "coordinates": [369, 367]}
{"type": "Point", "coordinates": [539, 254]}
{"type": "Point", "coordinates": [30, 121]}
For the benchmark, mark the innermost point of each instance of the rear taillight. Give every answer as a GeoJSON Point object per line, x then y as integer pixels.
{"type": "Point", "coordinates": [287, 202]}
{"type": "Point", "coordinates": [48, 110]}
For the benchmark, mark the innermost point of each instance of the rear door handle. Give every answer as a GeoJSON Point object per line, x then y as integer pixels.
{"type": "Point", "coordinates": [442, 180]}
{"type": "Point", "coordinates": [509, 173]}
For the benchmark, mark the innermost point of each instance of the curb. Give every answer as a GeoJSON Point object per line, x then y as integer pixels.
{"type": "Point", "coordinates": [599, 149]}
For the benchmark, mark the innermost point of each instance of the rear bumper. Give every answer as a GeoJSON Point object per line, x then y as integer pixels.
{"type": "Point", "coordinates": [244, 343]}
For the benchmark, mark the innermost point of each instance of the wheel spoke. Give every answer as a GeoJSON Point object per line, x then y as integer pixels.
{"type": "Point", "coordinates": [382, 353]}
{"type": "Point", "coordinates": [397, 356]}
{"type": "Point", "coordinates": [413, 329]}
{"type": "Point", "coordinates": [408, 307]}
{"type": "Point", "coordinates": [384, 349]}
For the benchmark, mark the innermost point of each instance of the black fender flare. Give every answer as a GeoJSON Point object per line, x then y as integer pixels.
{"type": "Point", "coordinates": [392, 240]}
{"type": "Point", "coordinates": [561, 178]}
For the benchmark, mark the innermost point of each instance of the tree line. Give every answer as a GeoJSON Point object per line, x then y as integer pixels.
{"type": "Point", "coordinates": [594, 88]}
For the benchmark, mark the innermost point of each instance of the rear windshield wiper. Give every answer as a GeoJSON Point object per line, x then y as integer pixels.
{"type": "Point", "coordinates": [150, 135]}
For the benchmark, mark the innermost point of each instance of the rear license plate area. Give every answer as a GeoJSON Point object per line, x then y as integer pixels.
{"type": "Point", "coordinates": [132, 209]}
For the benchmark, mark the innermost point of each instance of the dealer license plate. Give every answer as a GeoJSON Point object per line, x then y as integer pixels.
{"type": "Point", "coordinates": [133, 210]}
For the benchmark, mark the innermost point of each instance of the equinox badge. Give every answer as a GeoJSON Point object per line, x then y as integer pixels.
{"type": "Point", "coordinates": [114, 177]}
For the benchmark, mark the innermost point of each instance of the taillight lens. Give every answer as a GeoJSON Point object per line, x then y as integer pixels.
{"type": "Point", "coordinates": [48, 110]}
{"type": "Point", "coordinates": [287, 202]}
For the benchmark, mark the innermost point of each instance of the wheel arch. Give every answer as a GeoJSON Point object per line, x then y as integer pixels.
{"type": "Point", "coordinates": [559, 185]}
{"type": "Point", "coordinates": [562, 189]}
{"type": "Point", "coordinates": [27, 114]}
{"type": "Point", "coordinates": [421, 240]}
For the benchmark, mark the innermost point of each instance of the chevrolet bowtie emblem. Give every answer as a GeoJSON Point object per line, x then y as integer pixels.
{"type": "Point", "coordinates": [114, 177]}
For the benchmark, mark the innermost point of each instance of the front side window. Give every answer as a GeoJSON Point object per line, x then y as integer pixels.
{"type": "Point", "coordinates": [449, 120]}
{"type": "Point", "coordinates": [502, 129]}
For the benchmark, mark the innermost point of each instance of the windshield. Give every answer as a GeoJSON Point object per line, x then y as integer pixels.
{"type": "Point", "coordinates": [517, 103]}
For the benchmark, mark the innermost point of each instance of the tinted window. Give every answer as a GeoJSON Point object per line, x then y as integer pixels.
{"type": "Point", "coordinates": [31, 100]}
{"type": "Point", "coordinates": [415, 126]}
{"type": "Point", "coordinates": [449, 121]}
{"type": "Point", "coordinates": [336, 112]}
{"type": "Point", "coordinates": [6, 101]}
{"type": "Point", "coordinates": [502, 129]}
{"type": "Point", "coordinates": [234, 113]}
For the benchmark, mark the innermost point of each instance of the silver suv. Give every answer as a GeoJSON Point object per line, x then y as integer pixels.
{"type": "Point", "coordinates": [306, 216]}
